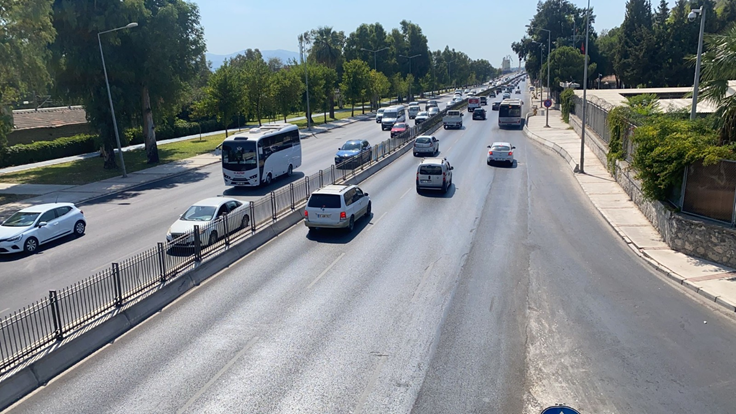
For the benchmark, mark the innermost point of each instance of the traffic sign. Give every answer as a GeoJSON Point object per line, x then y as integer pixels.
{"type": "Point", "coordinates": [547, 103]}
{"type": "Point", "coordinates": [560, 409]}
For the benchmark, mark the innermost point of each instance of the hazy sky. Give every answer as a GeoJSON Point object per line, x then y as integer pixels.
{"type": "Point", "coordinates": [480, 28]}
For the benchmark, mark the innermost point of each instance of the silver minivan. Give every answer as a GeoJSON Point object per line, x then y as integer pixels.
{"type": "Point", "coordinates": [426, 144]}
{"type": "Point", "coordinates": [434, 174]}
{"type": "Point", "coordinates": [391, 116]}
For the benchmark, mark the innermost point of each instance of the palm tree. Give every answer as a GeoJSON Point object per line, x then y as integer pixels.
{"type": "Point", "coordinates": [327, 46]}
{"type": "Point", "coordinates": [718, 66]}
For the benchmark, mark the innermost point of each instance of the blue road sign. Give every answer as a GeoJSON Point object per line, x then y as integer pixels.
{"type": "Point", "coordinates": [547, 103]}
{"type": "Point", "coordinates": [560, 409]}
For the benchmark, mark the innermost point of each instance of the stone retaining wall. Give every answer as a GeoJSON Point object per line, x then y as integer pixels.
{"type": "Point", "coordinates": [696, 237]}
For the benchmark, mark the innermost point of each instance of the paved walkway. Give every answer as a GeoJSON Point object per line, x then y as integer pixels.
{"type": "Point", "coordinates": [714, 281]}
{"type": "Point", "coordinates": [45, 193]}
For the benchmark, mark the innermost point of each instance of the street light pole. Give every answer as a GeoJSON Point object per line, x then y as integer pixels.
{"type": "Point", "coordinates": [302, 39]}
{"type": "Point", "coordinates": [581, 169]}
{"type": "Point", "coordinates": [549, 52]}
{"type": "Point", "coordinates": [696, 83]}
{"type": "Point", "coordinates": [109, 95]}
{"type": "Point", "coordinates": [375, 52]}
{"type": "Point", "coordinates": [410, 58]}
{"type": "Point", "coordinates": [449, 72]}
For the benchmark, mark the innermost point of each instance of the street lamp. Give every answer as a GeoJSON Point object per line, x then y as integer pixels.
{"type": "Point", "coordinates": [549, 52]}
{"type": "Point", "coordinates": [581, 169]}
{"type": "Point", "coordinates": [696, 83]}
{"type": "Point", "coordinates": [375, 52]}
{"type": "Point", "coordinates": [448, 72]}
{"type": "Point", "coordinates": [410, 58]}
{"type": "Point", "coordinates": [109, 95]}
{"type": "Point", "coordinates": [303, 38]}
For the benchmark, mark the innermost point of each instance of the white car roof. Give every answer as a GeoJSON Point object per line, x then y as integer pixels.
{"type": "Point", "coordinates": [40, 208]}
{"type": "Point", "coordinates": [501, 144]}
{"type": "Point", "coordinates": [214, 201]}
{"type": "Point", "coordinates": [333, 189]}
{"type": "Point", "coordinates": [432, 160]}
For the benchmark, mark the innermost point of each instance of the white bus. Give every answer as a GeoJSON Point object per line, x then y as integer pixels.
{"type": "Point", "coordinates": [258, 156]}
{"type": "Point", "coordinates": [509, 113]}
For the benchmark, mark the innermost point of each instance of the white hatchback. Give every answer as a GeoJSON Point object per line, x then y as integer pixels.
{"type": "Point", "coordinates": [500, 152]}
{"type": "Point", "coordinates": [336, 207]}
{"type": "Point", "coordinates": [31, 227]}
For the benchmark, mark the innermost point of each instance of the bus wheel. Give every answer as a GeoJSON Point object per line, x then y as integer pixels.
{"type": "Point", "coordinates": [267, 181]}
{"type": "Point", "coordinates": [290, 171]}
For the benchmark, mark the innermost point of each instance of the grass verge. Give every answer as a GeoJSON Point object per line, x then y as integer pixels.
{"type": "Point", "coordinates": [90, 170]}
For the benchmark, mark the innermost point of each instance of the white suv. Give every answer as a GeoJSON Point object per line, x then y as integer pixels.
{"type": "Point", "coordinates": [336, 207]}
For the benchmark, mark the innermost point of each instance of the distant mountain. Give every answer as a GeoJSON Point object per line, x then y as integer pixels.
{"type": "Point", "coordinates": [284, 55]}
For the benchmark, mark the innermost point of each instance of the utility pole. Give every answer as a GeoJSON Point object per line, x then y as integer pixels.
{"type": "Point", "coordinates": [581, 169]}
{"type": "Point", "coordinates": [303, 38]}
{"type": "Point", "coordinates": [410, 58]}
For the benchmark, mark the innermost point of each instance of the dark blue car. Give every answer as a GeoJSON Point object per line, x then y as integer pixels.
{"type": "Point", "coordinates": [354, 152]}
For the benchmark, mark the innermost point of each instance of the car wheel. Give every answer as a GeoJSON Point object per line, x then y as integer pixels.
{"type": "Point", "coordinates": [213, 238]}
{"type": "Point", "coordinates": [244, 223]}
{"type": "Point", "coordinates": [351, 223]}
{"type": "Point", "coordinates": [368, 210]}
{"type": "Point", "coordinates": [445, 126]}
{"type": "Point", "coordinates": [79, 228]}
{"type": "Point", "coordinates": [415, 154]}
{"type": "Point", "coordinates": [31, 245]}
{"type": "Point", "coordinates": [290, 171]}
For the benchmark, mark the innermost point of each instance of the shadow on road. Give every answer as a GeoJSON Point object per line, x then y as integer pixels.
{"type": "Point", "coordinates": [339, 236]}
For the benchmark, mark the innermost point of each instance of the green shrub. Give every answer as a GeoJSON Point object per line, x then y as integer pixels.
{"type": "Point", "coordinates": [567, 103]}
{"type": "Point", "coordinates": [179, 128]}
{"type": "Point", "coordinates": [667, 145]}
{"type": "Point", "coordinates": [48, 150]}
{"type": "Point", "coordinates": [619, 123]}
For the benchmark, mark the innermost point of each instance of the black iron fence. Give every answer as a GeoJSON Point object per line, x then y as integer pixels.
{"type": "Point", "coordinates": [29, 330]}
{"type": "Point", "coordinates": [596, 118]}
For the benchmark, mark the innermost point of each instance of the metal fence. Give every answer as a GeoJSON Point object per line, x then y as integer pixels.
{"type": "Point", "coordinates": [596, 118]}
{"type": "Point", "coordinates": [29, 330]}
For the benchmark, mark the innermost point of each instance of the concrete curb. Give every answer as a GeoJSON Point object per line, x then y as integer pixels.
{"type": "Point", "coordinates": [55, 361]}
{"type": "Point", "coordinates": [638, 251]}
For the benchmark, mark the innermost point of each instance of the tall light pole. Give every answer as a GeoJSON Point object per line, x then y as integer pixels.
{"type": "Point", "coordinates": [410, 58]}
{"type": "Point", "coordinates": [448, 72]}
{"type": "Point", "coordinates": [696, 83]}
{"type": "Point", "coordinates": [581, 169]}
{"type": "Point", "coordinates": [109, 95]}
{"type": "Point", "coordinates": [549, 52]}
{"type": "Point", "coordinates": [303, 38]}
{"type": "Point", "coordinates": [375, 52]}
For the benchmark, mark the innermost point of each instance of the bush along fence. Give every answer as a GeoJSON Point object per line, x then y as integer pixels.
{"type": "Point", "coordinates": [31, 330]}
{"type": "Point", "coordinates": [707, 191]}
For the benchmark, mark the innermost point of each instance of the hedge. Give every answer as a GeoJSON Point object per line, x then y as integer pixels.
{"type": "Point", "coordinates": [179, 128]}
{"type": "Point", "coordinates": [48, 150]}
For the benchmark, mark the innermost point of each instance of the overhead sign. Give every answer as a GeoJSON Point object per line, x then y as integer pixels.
{"type": "Point", "coordinates": [547, 103]}
{"type": "Point", "coordinates": [560, 409]}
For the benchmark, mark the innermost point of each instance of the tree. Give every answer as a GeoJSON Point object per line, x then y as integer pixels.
{"type": "Point", "coordinates": [224, 95]}
{"type": "Point", "coordinates": [717, 69]}
{"type": "Point", "coordinates": [355, 81]}
{"type": "Point", "coordinates": [566, 65]}
{"type": "Point", "coordinates": [165, 53]}
{"type": "Point", "coordinates": [256, 81]}
{"type": "Point", "coordinates": [607, 43]}
{"type": "Point", "coordinates": [378, 86]}
{"type": "Point", "coordinates": [327, 46]}
{"type": "Point", "coordinates": [25, 33]}
{"type": "Point", "coordinates": [287, 87]}
{"type": "Point", "coordinates": [635, 47]}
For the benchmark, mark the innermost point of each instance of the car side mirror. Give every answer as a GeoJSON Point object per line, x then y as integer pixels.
{"type": "Point", "coordinates": [489, 146]}
{"type": "Point", "coordinates": [513, 147]}
{"type": "Point", "coordinates": [452, 168]}
{"type": "Point", "coordinates": [42, 224]}
{"type": "Point", "coordinates": [365, 194]}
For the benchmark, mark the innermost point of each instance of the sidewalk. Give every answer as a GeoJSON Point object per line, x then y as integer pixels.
{"type": "Point", "coordinates": [713, 281]}
{"type": "Point", "coordinates": [82, 193]}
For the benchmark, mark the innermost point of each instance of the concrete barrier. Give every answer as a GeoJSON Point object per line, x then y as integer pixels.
{"type": "Point", "coordinates": [58, 360]}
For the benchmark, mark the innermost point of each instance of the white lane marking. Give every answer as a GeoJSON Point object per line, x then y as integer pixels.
{"type": "Point", "coordinates": [217, 376]}
{"type": "Point", "coordinates": [379, 219]}
{"type": "Point", "coordinates": [326, 270]}
{"type": "Point", "coordinates": [371, 384]}
{"type": "Point", "coordinates": [405, 193]}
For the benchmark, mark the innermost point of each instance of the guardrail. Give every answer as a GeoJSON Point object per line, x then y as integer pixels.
{"type": "Point", "coordinates": [32, 329]}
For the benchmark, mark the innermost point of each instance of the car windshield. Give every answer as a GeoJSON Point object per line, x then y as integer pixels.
{"type": "Point", "coordinates": [199, 213]}
{"type": "Point", "coordinates": [430, 170]}
{"type": "Point", "coordinates": [351, 145]}
{"type": "Point", "coordinates": [324, 201]}
{"type": "Point", "coordinates": [423, 140]}
{"type": "Point", "coordinates": [390, 114]}
{"type": "Point", "coordinates": [21, 219]}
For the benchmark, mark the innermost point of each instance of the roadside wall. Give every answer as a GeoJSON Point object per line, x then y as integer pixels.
{"type": "Point", "coordinates": [696, 237]}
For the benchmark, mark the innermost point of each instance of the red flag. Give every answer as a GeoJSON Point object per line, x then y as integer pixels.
{"type": "Point", "coordinates": [582, 48]}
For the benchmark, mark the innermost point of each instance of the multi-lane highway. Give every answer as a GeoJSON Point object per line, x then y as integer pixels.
{"type": "Point", "coordinates": [122, 225]}
{"type": "Point", "coordinates": [505, 294]}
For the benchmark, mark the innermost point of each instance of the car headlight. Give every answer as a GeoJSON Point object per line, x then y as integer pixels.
{"type": "Point", "coordinates": [14, 238]}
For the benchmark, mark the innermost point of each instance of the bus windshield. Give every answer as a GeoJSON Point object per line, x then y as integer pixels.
{"type": "Point", "coordinates": [239, 156]}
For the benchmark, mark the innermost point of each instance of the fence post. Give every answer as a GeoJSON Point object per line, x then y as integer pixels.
{"type": "Point", "coordinates": [225, 221]}
{"type": "Point", "coordinates": [332, 173]}
{"type": "Point", "coordinates": [56, 315]}
{"type": "Point", "coordinates": [118, 285]}
{"type": "Point", "coordinates": [291, 191]}
{"type": "Point", "coordinates": [321, 179]}
{"type": "Point", "coordinates": [162, 260]}
{"type": "Point", "coordinates": [197, 244]}
{"type": "Point", "coordinates": [273, 206]}
{"type": "Point", "coordinates": [252, 217]}
{"type": "Point", "coordinates": [306, 180]}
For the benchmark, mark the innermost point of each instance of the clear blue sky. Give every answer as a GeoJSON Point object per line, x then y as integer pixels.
{"type": "Point", "coordinates": [234, 25]}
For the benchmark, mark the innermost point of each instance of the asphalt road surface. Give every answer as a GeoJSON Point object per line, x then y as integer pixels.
{"type": "Point", "coordinates": [124, 224]}
{"type": "Point", "coordinates": [508, 293]}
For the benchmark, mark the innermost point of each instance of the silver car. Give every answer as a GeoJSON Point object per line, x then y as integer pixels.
{"type": "Point", "coordinates": [426, 144]}
{"type": "Point", "coordinates": [500, 152]}
{"type": "Point", "coordinates": [434, 174]}
{"type": "Point", "coordinates": [31, 227]}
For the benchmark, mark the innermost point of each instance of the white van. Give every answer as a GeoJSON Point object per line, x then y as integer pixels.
{"type": "Point", "coordinates": [413, 111]}
{"type": "Point", "coordinates": [391, 116]}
